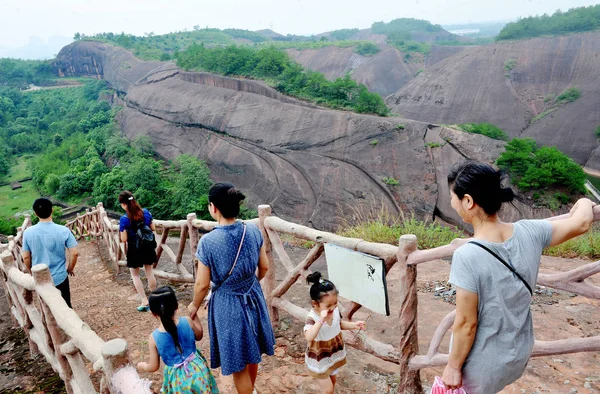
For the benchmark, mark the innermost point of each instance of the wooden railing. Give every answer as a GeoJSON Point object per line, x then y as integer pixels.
{"type": "Point", "coordinates": [405, 255]}
{"type": "Point", "coordinates": [95, 222]}
{"type": "Point", "coordinates": [56, 331]}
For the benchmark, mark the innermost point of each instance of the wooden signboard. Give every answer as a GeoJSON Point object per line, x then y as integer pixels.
{"type": "Point", "coordinates": [359, 277]}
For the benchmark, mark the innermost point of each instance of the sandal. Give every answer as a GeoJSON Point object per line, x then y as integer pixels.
{"type": "Point", "coordinates": [143, 308]}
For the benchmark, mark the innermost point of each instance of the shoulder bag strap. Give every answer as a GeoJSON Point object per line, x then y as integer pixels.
{"type": "Point", "coordinates": [505, 264]}
{"type": "Point", "coordinates": [239, 250]}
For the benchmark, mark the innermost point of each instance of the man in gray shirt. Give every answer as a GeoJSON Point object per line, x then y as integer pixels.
{"type": "Point", "coordinates": [47, 243]}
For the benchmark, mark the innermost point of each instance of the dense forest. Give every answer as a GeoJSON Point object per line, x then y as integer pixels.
{"type": "Point", "coordinates": [75, 152]}
{"type": "Point", "coordinates": [287, 76]}
{"type": "Point", "coordinates": [575, 20]}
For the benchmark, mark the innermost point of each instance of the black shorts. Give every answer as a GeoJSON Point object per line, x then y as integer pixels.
{"type": "Point", "coordinates": [137, 259]}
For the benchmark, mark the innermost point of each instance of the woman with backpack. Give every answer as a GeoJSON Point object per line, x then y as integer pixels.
{"type": "Point", "coordinates": [494, 274]}
{"type": "Point", "coordinates": [140, 252]}
{"type": "Point", "coordinates": [234, 258]}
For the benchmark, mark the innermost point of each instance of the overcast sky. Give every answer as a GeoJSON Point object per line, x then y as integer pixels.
{"type": "Point", "coordinates": [20, 19]}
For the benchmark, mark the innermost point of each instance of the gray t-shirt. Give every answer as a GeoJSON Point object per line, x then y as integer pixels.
{"type": "Point", "coordinates": [504, 338]}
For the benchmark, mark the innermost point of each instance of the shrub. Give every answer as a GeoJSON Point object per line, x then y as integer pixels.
{"type": "Point", "coordinates": [433, 144]}
{"type": "Point", "coordinates": [390, 181]}
{"type": "Point", "coordinates": [569, 95]}
{"type": "Point", "coordinates": [402, 126]}
{"type": "Point", "coordinates": [366, 49]}
{"type": "Point", "coordinates": [597, 132]}
{"type": "Point", "coordinates": [374, 142]}
{"type": "Point", "coordinates": [509, 64]}
{"type": "Point", "coordinates": [487, 129]}
{"type": "Point", "coordinates": [533, 168]}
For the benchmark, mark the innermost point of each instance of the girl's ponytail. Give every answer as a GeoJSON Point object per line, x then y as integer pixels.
{"type": "Point", "coordinates": [163, 303]}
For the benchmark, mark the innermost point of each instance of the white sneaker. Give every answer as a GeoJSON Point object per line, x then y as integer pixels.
{"type": "Point", "coordinates": [254, 391]}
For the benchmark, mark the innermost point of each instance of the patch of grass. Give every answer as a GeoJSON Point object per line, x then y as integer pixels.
{"type": "Point", "coordinates": [384, 228]}
{"type": "Point", "coordinates": [374, 142]}
{"type": "Point", "coordinates": [419, 71]}
{"type": "Point", "coordinates": [20, 170]}
{"type": "Point", "coordinates": [597, 132]}
{"type": "Point", "coordinates": [20, 200]}
{"type": "Point", "coordinates": [542, 115]}
{"type": "Point", "coordinates": [433, 144]}
{"type": "Point", "coordinates": [585, 246]}
{"type": "Point", "coordinates": [390, 181]}
{"type": "Point", "coordinates": [402, 126]}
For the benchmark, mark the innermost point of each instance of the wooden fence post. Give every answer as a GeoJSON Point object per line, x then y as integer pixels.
{"type": "Point", "coordinates": [194, 239]}
{"type": "Point", "coordinates": [410, 381]}
{"type": "Point", "coordinates": [42, 277]}
{"type": "Point", "coordinates": [264, 211]}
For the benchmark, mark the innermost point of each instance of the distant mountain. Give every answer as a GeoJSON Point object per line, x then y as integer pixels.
{"type": "Point", "coordinates": [37, 49]}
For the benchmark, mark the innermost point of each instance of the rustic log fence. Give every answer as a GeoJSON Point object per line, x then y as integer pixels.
{"type": "Point", "coordinates": [405, 256]}
{"type": "Point", "coordinates": [55, 331]}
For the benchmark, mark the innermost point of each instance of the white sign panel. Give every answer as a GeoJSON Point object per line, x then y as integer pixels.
{"type": "Point", "coordinates": [358, 277]}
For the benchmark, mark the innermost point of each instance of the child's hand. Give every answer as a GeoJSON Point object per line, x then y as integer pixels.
{"type": "Point", "coordinates": [324, 314]}
{"type": "Point", "coordinates": [141, 366]}
{"type": "Point", "coordinates": [360, 325]}
{"type": "Point", "coordinates": [193, 309]}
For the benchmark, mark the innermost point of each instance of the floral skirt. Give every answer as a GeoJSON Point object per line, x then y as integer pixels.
{"type": "Point", "coordinates": [196, 380]}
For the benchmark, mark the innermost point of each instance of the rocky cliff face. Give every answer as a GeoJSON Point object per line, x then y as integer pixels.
{"type": "Point", "coordinates": [312, 165]}
{"type": "Point", "coordinates": [474, 86]}
{"type": "Point", "coordinates": [385, 72]}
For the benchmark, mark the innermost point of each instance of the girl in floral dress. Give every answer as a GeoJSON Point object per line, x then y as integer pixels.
{"type": "Point", "coordinates": [174, 341]}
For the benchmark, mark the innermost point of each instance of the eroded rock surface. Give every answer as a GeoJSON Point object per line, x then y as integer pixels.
{"type": "Point", "coordinates": [313, 165]}
{"type": "Point", "coordinates": [478, 84]}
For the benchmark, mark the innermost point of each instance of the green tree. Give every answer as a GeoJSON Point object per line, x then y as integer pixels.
{"type": "Point", "coordinates": [190, 184]}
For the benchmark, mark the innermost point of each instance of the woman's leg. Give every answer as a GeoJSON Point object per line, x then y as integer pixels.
{"type": "Point", "coordinates": [253, 370]}
{"type": "Point", "coordinates": [150, 276]}
{"type": "Point", "coordinates": [242, 381]}
{"type": "Point", "coordinates": [137, 283]}
{"type": "Point", "coordinates": [326, 385]}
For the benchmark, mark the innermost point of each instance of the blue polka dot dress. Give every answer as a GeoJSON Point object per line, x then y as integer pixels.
{"type": "Point", "coordinates": [238, 319]}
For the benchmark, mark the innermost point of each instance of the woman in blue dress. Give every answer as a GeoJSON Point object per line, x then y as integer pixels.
{"type": "Point", "coordinates": [239, 325]}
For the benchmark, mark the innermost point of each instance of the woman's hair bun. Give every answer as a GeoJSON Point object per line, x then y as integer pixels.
{"type": "Point", "coordinates": [236, 194]}
{"type": "Point", "coordinates": [314, 277]}
{"type": "Point", "coordinates": [507, 194]}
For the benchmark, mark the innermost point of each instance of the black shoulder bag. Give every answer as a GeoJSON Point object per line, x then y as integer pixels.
{"type": "Point", "coordinates": [505, 264]}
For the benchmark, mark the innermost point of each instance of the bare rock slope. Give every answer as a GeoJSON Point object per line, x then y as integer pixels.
{"type": "Point", "coordinates": [385, 72]}
{"type": "Point", "coordinates": [312, 165]}
{"type": "Point", "coordinates": [514, 86]}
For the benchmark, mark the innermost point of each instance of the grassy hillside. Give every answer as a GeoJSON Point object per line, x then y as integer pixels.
{"type": "Point", "coordinates": [575, 20]}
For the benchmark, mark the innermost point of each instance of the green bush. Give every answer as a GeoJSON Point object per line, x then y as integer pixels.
{"type": "Point", "coordinates": [366, 49]}
{"type": "Point", "coordinates": [597, 132]}
{"type": "Point", "coordinates": [569, 95]}
{"type": "Point", "coordinates": [533, 168]}
{"type": "Point", "coordinates": [509, 64]}
{"type": "Point", "coordinates": [374, 142]}
{"type": "Point", "coordinates": [287, 76]}
{"type": "Point", "coordinates": [400, 126]}
{"type": "Point", "coordinates": [487, 129]}
{"type": "Point", "coordinates": [343, 34]}
{"type": "Point", "coordinates": [390, 181]}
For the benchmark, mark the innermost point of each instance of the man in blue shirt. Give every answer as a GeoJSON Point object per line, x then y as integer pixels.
{"type": "Point", "coordinates": [46, 243]}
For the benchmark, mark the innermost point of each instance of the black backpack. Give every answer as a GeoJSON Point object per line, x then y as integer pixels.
{"type": "Point", "coordinates": [145, 240]}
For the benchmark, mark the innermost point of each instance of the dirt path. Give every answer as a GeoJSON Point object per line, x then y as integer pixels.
{"type": "Point", "coordinates": [108, 306]}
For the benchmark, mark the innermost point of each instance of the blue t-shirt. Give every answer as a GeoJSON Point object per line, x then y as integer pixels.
{"type": "Point", "coordinates": [47, 242]}
{"type": "Point", "coordinates": [125, 224]}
